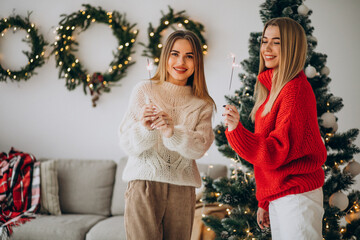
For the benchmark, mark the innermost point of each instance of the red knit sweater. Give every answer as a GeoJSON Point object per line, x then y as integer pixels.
{"type": "Point", "coordinates": [286, 148]}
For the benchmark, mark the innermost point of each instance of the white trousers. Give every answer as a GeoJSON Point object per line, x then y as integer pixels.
{"type": "Point", "coordinates": [297, 216]}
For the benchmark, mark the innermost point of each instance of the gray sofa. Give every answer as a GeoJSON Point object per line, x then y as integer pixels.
{"type": "Point", "coordinates": [90, 202]}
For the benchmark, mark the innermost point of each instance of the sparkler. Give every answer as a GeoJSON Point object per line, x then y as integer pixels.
{"type": "Point", "coordinates": [232, 69]}
{"type": "Point", "coordinates": [149, 67]}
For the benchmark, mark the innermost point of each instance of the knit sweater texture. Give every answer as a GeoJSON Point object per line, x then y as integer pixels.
{"type": "Point", "coordinates": [157, 158]}
{"type": "Point", "coordinates": [286, 148]}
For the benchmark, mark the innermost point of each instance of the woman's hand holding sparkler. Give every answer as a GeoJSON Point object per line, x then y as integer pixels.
{"type": "Point", "coordinates": [231, 117]}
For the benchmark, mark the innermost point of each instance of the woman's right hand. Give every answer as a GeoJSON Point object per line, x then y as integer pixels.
{"type": "Point", "coordinates": [231, 117]}
{"type": "Point", "coordinates": [147, 115]}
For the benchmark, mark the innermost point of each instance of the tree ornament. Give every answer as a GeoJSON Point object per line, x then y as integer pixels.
{"type": "Point", "coordinates": [353, 168]}
{"type": "Point", "coordinates": [36, 41]}
{"type": "Point", "coordinates": [328, 120]}
{"type": "Point", "coordinates": [287, 11]}
{"type": "Point", "coordinates": [153, 49]}
{"type": "Point", "coordinates": [303, 10]}
{"type": "Point", "coordinates": [325, 71]}
{"type": "Point", "coordinates": [310, 71]}
{"type": "Point", "coordinates": [352, 216]}
{"type": "Point", "coordinates": [339, 200]}
{"type": "Point", "coordinates": [70, 67]}
{"type": "Point", "coordinates": [224, 235]}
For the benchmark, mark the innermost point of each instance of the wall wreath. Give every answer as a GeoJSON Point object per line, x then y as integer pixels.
{"type": "Point", "coordinates": [153, 49]}
{"type": "Point", "coordinates": [70, 67]}
{"type": "Point", "coordinates": [33, 38]}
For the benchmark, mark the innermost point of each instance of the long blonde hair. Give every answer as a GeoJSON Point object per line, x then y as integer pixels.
{"type": "Point", "coordinates": [293, 50]}
{"type": "Point", "coordinates": [197, 79]}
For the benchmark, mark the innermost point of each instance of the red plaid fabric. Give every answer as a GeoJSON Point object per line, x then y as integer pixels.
{"type": "Point", "coordinates": [19, 189]}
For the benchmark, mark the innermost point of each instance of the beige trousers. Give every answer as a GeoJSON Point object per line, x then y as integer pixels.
{"type": "Point", "coordinates": [157, 211]}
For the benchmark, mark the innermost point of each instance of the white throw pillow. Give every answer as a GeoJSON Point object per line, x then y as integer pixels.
{"type": "Point", "coordinates": [50, 203]}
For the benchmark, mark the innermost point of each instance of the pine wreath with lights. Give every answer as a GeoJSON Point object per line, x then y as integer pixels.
{"type": "Point", "coordinates": [70, 67]}
{"type": "Point", "coordinates": [33, 38]}
{"type": "Point", "coordinates": [153, 49]}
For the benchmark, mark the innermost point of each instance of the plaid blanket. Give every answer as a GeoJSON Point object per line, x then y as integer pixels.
{"type": "Point", "coordinates": [19, 190]}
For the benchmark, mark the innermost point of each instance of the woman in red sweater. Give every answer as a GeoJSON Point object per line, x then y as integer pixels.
{"type": "Point", "coordinates": [286, 148]}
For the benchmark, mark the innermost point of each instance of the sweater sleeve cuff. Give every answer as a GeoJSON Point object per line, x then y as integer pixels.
{"type": "Point", "coordinates": [150, 135]}
{"type": "Point", "coordinates": [240, 131]}
{"type": "Point", "coordinates": [264, 205]}
{"type": "Point", "coordinates": [175, 140]}
{"type": "Point", "coordinates": [243, 141]}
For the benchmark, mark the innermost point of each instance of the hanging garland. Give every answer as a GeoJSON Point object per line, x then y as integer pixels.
{"type": "Point", "coordinates": [153, 49]}
{"type": "Point", "coordinates": [71, 68]}
{"type": "Point", "coordinates": [33, 38]}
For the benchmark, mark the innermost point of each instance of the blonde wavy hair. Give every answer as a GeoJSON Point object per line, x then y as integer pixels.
{"type": "Point", "coordinates": [197, 79]}
{"type": "Point", "coordinates": [293, 51]}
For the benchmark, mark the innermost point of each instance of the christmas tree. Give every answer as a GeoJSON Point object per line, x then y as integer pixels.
{"type": "Point", "coordinates": [238, 191]}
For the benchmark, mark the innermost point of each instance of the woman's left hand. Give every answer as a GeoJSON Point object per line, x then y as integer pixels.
{"type": "Point", "coordinates": [164, 123]}
{"type": "Point", "coordinates": [263, 219]}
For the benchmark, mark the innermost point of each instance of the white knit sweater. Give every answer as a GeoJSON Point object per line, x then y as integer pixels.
{"type": "Point", "coordinates": [156, 158]}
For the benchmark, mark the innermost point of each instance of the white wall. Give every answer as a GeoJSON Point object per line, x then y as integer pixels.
{"type": "Point", "coordinates": [42, 117]}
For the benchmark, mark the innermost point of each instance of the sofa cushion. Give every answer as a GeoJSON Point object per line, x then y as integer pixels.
{"type": "Point", "coordinates": [86, 186]}
{"type": "Point", "coordinates": [112, 228]}
{"type": "Point", "coordinates": [49, 188]}
{"type": "Point", "coordinates": [65, 226]}
{"type": "Point", "coordinates": [213, 170]}
{"type": "Point", "coordinates": [118, 199]}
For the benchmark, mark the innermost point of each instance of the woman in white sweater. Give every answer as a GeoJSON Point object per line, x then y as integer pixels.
{"type": "Point", "coordinates": [166, 127]}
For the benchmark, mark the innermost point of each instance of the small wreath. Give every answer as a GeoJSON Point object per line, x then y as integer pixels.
{"type": "Point", "coordinates": [153, 49]}
{"type": "Point", "coordinates": [71, 68]}
{"type": "Point", "coordinates": [33, 38]}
